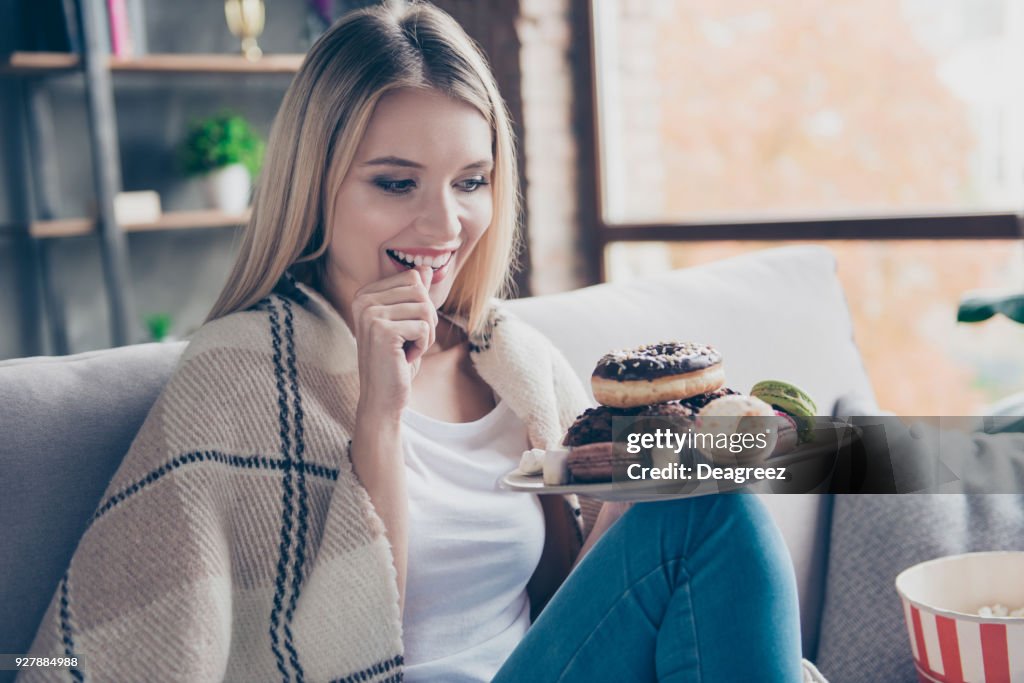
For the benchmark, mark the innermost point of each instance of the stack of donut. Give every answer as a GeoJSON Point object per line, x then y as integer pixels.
{"type": "Point", "coordinates": [664, 380]}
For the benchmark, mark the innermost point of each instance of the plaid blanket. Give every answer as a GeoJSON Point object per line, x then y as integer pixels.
{"type": "Point", "coordinates": [234, 542]}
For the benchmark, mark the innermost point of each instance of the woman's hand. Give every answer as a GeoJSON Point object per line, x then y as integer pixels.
{"type": "Point", "coordinates": [395, 323]}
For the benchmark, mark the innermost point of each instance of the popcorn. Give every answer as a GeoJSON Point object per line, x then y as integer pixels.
{"type": "Point", "coordinates": [1000, 610]}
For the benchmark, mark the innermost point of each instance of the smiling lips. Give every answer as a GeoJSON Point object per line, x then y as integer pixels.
{"type": "Point", "coordinates": [435, 259]}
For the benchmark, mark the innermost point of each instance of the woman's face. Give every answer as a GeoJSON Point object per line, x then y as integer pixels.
{"type": "Point", "coordinates": [418, 192]}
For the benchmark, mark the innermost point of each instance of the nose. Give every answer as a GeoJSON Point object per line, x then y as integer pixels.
{"type": "Point", "coordinates": [439, 217]}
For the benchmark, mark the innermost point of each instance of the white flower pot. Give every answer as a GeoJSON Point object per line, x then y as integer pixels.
{"type": "Point", "coordinates": [227, 188]}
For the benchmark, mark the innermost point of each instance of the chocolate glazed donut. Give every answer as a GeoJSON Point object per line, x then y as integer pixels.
{"type": "Point", "coordinates": [668, 371]}
{"type": "Point", "coordinates": [592, 456]}
{"type": "Point", "coordinates": [595, 424]}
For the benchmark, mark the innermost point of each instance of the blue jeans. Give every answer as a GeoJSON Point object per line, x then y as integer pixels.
{"type": "Point", "coordinates": [697, 590]}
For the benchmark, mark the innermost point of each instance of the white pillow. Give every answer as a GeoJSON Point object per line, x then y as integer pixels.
{"type": "Point", "coordinates": [773, 314]}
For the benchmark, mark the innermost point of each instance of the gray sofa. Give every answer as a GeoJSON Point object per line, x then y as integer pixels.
{"type": "Point", "coordinates": [66, 422]}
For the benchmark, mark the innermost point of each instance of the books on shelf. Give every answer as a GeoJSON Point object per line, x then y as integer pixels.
{"type": "Point", "coordinates": [120, 35]}
{"type": "Point", "coordinates": [126, 26]}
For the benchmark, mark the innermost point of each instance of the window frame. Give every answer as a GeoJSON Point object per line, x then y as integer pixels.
{"type": "Point", "coordinates": [981, 225]}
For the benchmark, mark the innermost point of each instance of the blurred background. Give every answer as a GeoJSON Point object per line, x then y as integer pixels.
{"type": "Point", "coordinates": [655, 135]}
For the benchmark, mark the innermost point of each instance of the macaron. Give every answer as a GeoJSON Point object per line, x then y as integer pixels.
{"type": "Point", "coordinates": [791, 400]}
{"type": "Point", "coordinates": [787, 435]}
{"type": "Point", "coordinates": [736, 414]}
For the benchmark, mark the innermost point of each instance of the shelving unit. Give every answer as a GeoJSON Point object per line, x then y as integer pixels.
{"type": "Point", "coordinates": [41, 226]}
{"type": "Point", "coordinates": [30, 63]}
{"type": "Point", "coordinates": [169, 220]}
{"type": "Point", "coordinates": [40, 63]}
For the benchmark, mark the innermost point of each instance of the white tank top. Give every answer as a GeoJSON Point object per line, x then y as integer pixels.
{"type": "Point", "coordinates": [472, 546]}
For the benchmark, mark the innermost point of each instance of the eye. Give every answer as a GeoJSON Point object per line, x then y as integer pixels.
{"type": "Point", "coordinates": [395, 186]}
{"type": "Point", "coordinates": [473, 184]}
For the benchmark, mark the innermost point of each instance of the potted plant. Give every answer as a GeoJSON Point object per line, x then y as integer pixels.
{"type": "Point", "coordinates": [226, 153]}
{"type": "Point", "coordinates": [159, 327]}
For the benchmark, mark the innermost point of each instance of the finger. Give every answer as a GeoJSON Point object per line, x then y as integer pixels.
{"type": "Point", "coordinates": [406, 277]}
{"type": "Point", "coordinates": [406, 289]}
{"type": "Point", "coordinates": [365, 309]}
{"type": "Point", "coordinates": [416, 307]}
{"type": "Point", "coordinates": [409, 310]}
{"type": "Point", "coordinates": [398, 334]}
{"type": "Point", "coordinates": [426, 275]}
{"type": "Point", "coordinates": [398, 295]}
{"type": "Point", "coordinates": [416, 336]}
{"type": "Point", "coordinates": [422, 311]}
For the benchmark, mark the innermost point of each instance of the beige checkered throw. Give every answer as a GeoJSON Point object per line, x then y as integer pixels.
{"type": "Point", "coordinates": [234, 542]}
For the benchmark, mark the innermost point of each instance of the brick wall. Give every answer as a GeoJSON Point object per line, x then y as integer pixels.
{"type": "Point", "coordinates": [549, 147]}
{"type": "Point", "coordinates": [559, 159]}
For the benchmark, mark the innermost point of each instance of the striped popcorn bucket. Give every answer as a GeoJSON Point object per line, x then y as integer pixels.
{"type": "Point", "coordinates": [950, 642]}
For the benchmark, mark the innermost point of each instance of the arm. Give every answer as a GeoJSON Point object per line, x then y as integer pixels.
{"type": "Point", "coordinates": [560, 541]}
{"type": "Point", "coordinates": [377, 462]}
{"type": "Point", "coordinates": [563, 543]}
{"type": "Point", "coordinates": [394, 324]}
{"type": "Point", "coordinates": [557, 556]}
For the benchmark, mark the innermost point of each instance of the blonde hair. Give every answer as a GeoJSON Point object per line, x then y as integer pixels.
{"type": "Point", "coordinates": [322, 119]}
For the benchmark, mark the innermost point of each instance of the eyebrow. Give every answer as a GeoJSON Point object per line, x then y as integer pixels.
{"type": "Point", "coordinates": [406, 163]}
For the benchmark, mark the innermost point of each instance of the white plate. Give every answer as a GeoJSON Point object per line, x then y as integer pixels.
{"type": "Point", "coordinates": [808, 459]}
{"type": "Point", "coordinates": [634, 491]}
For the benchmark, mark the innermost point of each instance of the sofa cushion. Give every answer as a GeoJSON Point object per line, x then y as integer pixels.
{"type": "Point", "coordinates": [863, 634]}
{"type": "Point", "coordinates": [66, 423]}
{"type": "Point", "coordinates": [874, 538]}
{"type": "Point", "coordinates": [777, 313]}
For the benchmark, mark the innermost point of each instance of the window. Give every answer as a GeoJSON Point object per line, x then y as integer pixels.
{"type": "Point", "coordinates": [724, 127]}
{"type": "Point", "coordinates": [732, 111]}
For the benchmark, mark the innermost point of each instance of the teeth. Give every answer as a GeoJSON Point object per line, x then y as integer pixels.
{"type": "Point", "coordinates": [434, 262]}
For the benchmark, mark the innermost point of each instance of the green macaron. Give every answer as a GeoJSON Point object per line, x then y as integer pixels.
{"type": "Point", "coordinates": [791, 400]}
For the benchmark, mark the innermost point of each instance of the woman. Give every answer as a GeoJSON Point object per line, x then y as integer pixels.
{"type": "Point", "coordinates": [312, 496]}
